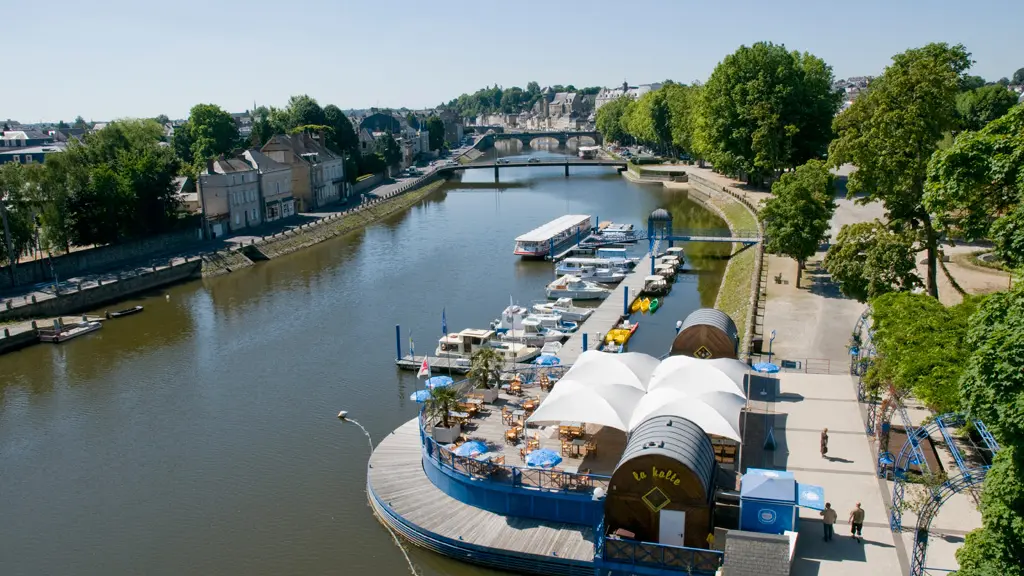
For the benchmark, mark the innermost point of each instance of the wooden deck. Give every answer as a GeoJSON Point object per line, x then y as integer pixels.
{"type": "Point", "coordinates": [396, 478]}
{"type": "Point", "coordinates": [607, 314]}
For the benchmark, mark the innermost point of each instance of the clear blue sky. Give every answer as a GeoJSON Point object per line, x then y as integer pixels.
{"type": "Point", "coordinates": [108, 59]}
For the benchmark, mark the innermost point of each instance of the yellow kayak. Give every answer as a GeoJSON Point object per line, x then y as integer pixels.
{"type": "Point", "coordinates": [645, 304]}
{"type": "Point", "coordinates": [636, 305]}
{"type": "Point", "coordinates": [620, 335]}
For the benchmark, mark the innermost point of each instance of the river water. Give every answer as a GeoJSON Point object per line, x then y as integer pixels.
{"type": "Point", "coordinates": [200, 436]}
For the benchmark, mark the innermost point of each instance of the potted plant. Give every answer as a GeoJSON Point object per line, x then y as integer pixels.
{"type": "Point", "coordinates": [485, 368]}
{"type": "Point", "coordinates": [441, 402]}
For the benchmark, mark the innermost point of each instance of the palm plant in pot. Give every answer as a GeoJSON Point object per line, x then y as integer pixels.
{"type": "Point", "coordinates": [485, 370]}
{"type": "Point", "coordinates": [442, 401]}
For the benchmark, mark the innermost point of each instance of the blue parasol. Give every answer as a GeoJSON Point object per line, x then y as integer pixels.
{"type": "Point", "coordinates": [420, 396]}
{"type": "Point", "coordinates": [439, 382]}
{"type": "Point", "coordinates": [471, 448]}
{"type": "Point", "coordinates": [766, 367]}
{"type": "Point", "coordinates": [543, 458]}
{"type": "Point", "coordinates": [547, 360]}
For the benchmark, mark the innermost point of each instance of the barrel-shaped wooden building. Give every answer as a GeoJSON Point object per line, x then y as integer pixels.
{"type": "Point", "coordinates": [663, 486]}
{"type": "Point", "coordinates": [707, 333]}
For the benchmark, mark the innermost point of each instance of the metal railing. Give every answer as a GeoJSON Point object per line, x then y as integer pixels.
{"type": "Point", "coordinates": [661, 556]}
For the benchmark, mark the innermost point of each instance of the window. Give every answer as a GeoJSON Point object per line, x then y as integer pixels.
{"type": "Point", "coordinates": [254, 215]}
{"type": "Point", "coordinates": [278, 187]}
{"type": "Point", "coordinates": [28, 158]}
{"type": "Point", "coordinates": [17, 158]}
{"type": "Point", "coordinates": [238, 219]}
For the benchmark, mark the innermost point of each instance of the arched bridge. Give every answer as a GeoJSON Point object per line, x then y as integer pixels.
{"type": "Point", "coordinates": [563, 137]}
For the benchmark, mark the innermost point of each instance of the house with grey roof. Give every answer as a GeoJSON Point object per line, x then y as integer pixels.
{"type": "Point", "coordinates": [229, 196]}
{"type": "Point", "coordinates": [318, 175]}
{"type": "Point", "coordinates": [275, 185]}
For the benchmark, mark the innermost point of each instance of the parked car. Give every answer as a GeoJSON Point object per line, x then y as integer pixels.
{"type": "Point", "coordinates": [502, 160]}
{"type": "Point", "coordinates": [533, 161]}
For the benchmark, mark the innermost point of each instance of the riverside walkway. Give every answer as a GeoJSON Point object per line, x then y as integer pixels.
{"type": "Point", "coordinates": [608, 314]}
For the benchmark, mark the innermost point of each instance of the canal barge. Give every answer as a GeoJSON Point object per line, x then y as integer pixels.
{"type": "Point", "coordinates": [61, 333]}
{"type": "Point", "coordinates": [542, 241]}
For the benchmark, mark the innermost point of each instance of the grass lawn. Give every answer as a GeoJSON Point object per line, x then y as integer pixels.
{"type": "Point", "coordinates": [734, 297]}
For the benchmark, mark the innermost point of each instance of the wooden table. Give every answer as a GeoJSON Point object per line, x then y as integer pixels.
{"type": "Point", "coordinates": [519, 414]}
{"type": "Point", "coordinates": [577, 444]}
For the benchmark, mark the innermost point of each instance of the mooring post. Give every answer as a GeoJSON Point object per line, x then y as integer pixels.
{"type": "Point", "coordinates": [567, 169]}
{"type": "Point", "coordinates": [652, 262]}
{"type": "Point", "coordinates": [398, 342]}
{"type": "Point", "coordinates": [584, 341]}
{"type": "Point", "coordinates": [625, 300]}
{"type": "Point", "coordinates": [496, 173]}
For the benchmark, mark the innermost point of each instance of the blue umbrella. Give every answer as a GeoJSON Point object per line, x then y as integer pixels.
{"type": "Point", "coordinates": [471, 448]}
{"type": "Point", "coordinates": [420, 396]}
{"type": "Point", "coordinates": [766, 367]}
{"type": "Point", "coordinates": [439, 382]}
{"type": "Point", "coordinates": [547, 360]}
{"type": "Point", "coordinates": [543, 458]}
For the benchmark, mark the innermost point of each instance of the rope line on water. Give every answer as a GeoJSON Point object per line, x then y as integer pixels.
{"type": "Point", "coordinates": [394, 536]}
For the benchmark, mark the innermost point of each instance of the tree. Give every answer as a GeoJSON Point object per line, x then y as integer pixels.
{"type": "Point", "coordinates": [609, 119]}
{"type": "Point", "coordinates": [16, 211]}
{"type": "Point", "coordinates": [435, 129]}
{"type": "Point", "coordinates": [388, 149]}
{"type": "Point", "coordinates": [765, 108]}
{"type": "Point", "coordinates": [992, 389]}
{"type": "Point", "coordinates": [411, 119]}
{"type": "Point", "coordinates": [162, 119]}
{"type": "Point", "coordinates": [304, 110]}
{"type": "Point", "coordinates": [1018, 77]}
{"type": "Point", "coordinates": [983, 105]}
{"type": "Point", "coordinates": [891, 132]}
{"type": "Point", "coordinates": [485, 367]}
{"type": "Point", "coordinates": [682, 104]}
{"type": "Point", "coordinates": [868, 260]}
{"type": "Point", "coordinates": [342, 138]}
{"type": "Point", "coordinates": [441, 402]}
{"type": "Point", "coordinates": [208, 133]}
{"type": "Point", "coordinates": [976, 186]}
{"type": "Point", "coordinates": [1004, 81]}
{"type": "Point", "coordinates": [80, 123]}
{"type": "Point", "coordinates": [796, 217]}
{"type": "Point", "coordinates": [62, 125]}
{"type": "Point", "coordinates": [969, 83]}
{"type": "Point", "coordinates": [921, 347]}
{"type": "Point", "coordinates": [647, 120]}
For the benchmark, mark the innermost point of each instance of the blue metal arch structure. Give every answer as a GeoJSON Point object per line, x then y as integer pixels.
{"type": "Point", "coordinates": [910, 454]}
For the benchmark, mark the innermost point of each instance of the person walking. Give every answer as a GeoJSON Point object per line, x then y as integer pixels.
{"type": "Point", "coordinates": [829, 517]}
{"type": "Point", "coordinates": [824, 443]}
{"type": "Point", "coordinates": [857, 523]}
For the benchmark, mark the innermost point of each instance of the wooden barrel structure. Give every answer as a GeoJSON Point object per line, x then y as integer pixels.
{"type": "Point", "coordinates": [707, 333]}
{"type": "Point", "coordinates": [663, 485]}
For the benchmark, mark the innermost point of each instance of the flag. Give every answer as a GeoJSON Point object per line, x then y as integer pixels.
{"type": "Point", "coordinates": [424, 369]}
{"type": "Point", "coordinates": [412, 347]}
{"type": "Point", "coordinates": [444, 323]}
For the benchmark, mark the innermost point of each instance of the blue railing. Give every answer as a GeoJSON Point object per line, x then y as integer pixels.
{"type": "Point", "coordinates": [660, 556]}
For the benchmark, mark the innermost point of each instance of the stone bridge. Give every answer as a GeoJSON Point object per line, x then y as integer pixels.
{"type": "Point", "coordinates": [563, 137]}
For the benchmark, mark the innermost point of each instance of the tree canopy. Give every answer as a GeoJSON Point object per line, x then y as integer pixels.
{"type": "Point", "coordinates": [609, 119]}
{"type": "Point", "coordinates": [208, 133]}
{"type": "Point", "coordinates": [977, 185]}
{"type": "Point", "coordinates": [765, 108]}
{"type": "Point", "coordinates": [1018, 76]}
{"type": "Point", "coordinates": [980, 106]}
{"type": "Point", "coordinates": [18, 195]}
{"type": "Point", "coordinates": [868, 260]}
{"type": "Point", "coordinates": [435, 130]}
{"type": "Point", "coordinates": [796, 217]}
{"type": "Point", "coordinates": [891, 132]}
{"type": "Point", "coordinates": [388, 149]}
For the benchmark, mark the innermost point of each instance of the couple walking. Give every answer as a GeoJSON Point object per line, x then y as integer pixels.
{"type": "Point", "coordinates": [829, 518]}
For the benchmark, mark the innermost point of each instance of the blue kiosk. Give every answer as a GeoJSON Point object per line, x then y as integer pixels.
{"type": "Point", "coordinates": [769, 500]}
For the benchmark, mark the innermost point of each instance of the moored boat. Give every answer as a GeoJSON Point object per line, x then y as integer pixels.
{"type": "Point", "coordinates": [565, 307]}
{"type": "Point", "coordinates": [125, 312]}
{"type": "Point", "coordinates": [576, 288]}
{"type": "Point", "coordinates": [655, 285]}
{"type": "Point", "coordinates": [461, 346]}
{"type": "Point", "coordinates": [645, 304]}
{"type": "Point", "coordinates": [62, 333]}
{"type": "Point", "coordinates": [654, 305]}
{"type": "Point", "coordinates": [540, 241]}
{"type": "Point", "coordinates": [621, 333]}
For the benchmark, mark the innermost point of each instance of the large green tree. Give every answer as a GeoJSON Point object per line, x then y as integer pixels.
{"type": "Point", "coordinates": [992, 389]}
{"type": "Point", "coordinates": [868, 260]}
{"type": "Point", "coordinates": [342, 139]}
{"type": "Point", "coordinates": [891, 132]}
{"type": "Point", "coordinates": [435, 130]}
{"type": "Point", "coordinates": [647, 120]}
{"type": "Point", "coordinates": [208, 132]}
{"type": "Point", "coordinates": [796, 217]}
{"type": "Point", "coordinates": [978, 107]}
{"type": "Point", "coordinates": [765, 108]}
{"type": "Point", "coordinates": [609, 119]}
{"type": "Point", "coordinates": [976, 186]}
{"type": "Point", "coordinates": [303, 110]}
{"type": "Point", "coordinates": [388, 149]}
{"type": "Point", "coordinates": [17, 211]}
{"type": "Point", "coordinates": [1018, 76]}
{"type": "Point", "coordinates": [682, 104]}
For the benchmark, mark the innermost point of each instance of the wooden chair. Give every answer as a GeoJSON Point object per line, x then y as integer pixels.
{"type": "Point", "coordinates": [545, 382]}
{"type": "Point", "coordinates": [499, 460]}
{"type": "Point", "coordinates": [533, 443]}
{"type": "Point", "coordinates": [591, 447]}
{"type": "Point", "coordinates": [566, 448]}
{"type": "Point", "coordinates": [511, 436]}
{"type": "Point", "coordinates": [522, 454]}
{"type": "Point", "coordinates": [506, 415]}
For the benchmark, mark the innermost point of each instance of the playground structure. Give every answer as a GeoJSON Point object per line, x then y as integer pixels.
{"type": "Point", "coordinates": [972, 462]}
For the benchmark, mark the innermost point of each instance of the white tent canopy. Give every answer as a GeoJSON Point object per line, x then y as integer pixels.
{"type": "Point", "coordinates": [623, 390]}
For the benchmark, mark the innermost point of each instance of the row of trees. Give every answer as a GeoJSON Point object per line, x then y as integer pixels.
{"type": "Point", "coordinates": [116, 185]}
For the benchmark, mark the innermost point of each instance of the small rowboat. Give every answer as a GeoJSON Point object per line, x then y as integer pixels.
{"type": "Point", "coordinates": [125, 312]}
{"type": "Point", "coordinates": [654, 305]}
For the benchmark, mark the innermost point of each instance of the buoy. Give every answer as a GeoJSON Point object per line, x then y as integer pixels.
{"type": "Point", "coordinates": [168, 296]}
{"type": "Point", "coordinates": [343, 414]}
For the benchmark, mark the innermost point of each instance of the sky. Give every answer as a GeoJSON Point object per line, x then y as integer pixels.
{"type": "Point", "coordinates": [108, 59]}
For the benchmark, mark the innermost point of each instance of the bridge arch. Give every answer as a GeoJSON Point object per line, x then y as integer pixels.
{"type": "Point", "coordinates": [585, 140]}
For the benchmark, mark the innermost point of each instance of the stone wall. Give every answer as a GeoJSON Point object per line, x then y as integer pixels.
{"type": "Point", "coordinates": [89, 298]}
{"type": "Point", "coordinates": [98, 259]}
{"type": "Point", "coordinates": [368, 183]}
{"type": "Point", "coordinates": [755, 554]}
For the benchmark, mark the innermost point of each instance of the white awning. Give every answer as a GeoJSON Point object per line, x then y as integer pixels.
{"type": "Point", "coordinates": [716, 412]}
{"type": "Point", "coordinates": [605, 404]}
{"type": "Point", "coordinates": [694, 374]}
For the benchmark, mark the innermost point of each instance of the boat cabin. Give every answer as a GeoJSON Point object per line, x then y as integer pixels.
{"type": "Point", "coordinates": [613, 254]}
{"type": "Point", "coordinates": [674, 251]}
{"type": "Point", "coordinates": [463, 344]}
{"type": "Point", "coordinates": [574, 265]}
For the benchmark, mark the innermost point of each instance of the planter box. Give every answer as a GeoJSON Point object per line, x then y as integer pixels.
{"type": "Point", "coordinates": [446, 435]}
{"type": "Point", "coordinates": [489, 395]}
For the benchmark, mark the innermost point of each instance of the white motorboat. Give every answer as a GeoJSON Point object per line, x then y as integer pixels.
{"type": "Point", "coordinates": [461, 346]}
{"type": "Point", "coordinates": [601, 275]}
{"type": "Point", "coordinates": [551, 349]}
{"type": "Point", "coordinates": [574, 287]}
{"type": "Point", "coordinates": [564, 306]}
{"type": "Point", "coordinates": [554, 321]}
{"type": "Point", "coordinates": [576, 266]}
{"type": "Point", "coordinates": [533, 333]}
{"type": "Point", "coordinates": [618, 256]}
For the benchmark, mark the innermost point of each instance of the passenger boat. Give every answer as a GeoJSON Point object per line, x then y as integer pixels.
{"type": "Point", "coordinates": [62, 333]}
{"type": "Point", "coordinates": [601, 275]}
{"type": "Point", "coordinates": [622, 333]}
{"type": "Point", "coordinates": [576, 266]}
{"type": "Point", "coordinates": [461, 346]}
{"type": "Point", "coordinates": [612, 232]}
{"type": "Point", "coordinates": [574, 287]}
{"type": "Point", "coordinates": [540, 241]}
{"type": "Point", "coordinates": [564, 306]}
{"type": "Point", "coordinates": [125, 312]}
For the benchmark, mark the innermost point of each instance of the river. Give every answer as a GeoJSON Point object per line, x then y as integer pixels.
{"type": "Point", "coordinates": [200, 436]}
